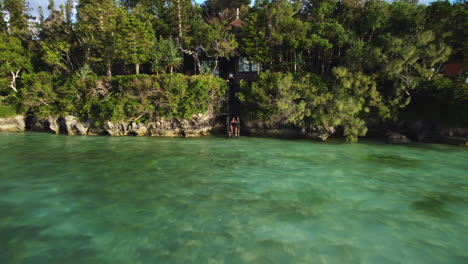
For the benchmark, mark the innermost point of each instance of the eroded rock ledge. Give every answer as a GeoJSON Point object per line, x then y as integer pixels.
{"type": "Point", "coordinates": [264, 129]}
{"type": "Point", "coordinates": [12, 124]}
{"type": "Point", "coordinates": [202, 125]}
{"type": "Point", "coordinates": [199, 125]}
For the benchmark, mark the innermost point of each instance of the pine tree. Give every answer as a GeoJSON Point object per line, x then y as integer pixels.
{"type": "Point", "coordinates": [18, 13]}
{"type": "Point", "coordinates": [68, 11]}
{"type": "Point", "coordinates": [14, 59]}
{"type": "Point", "coordinates": [3, 24]}
{"type": "Point", "coordinates": [135, 40]}
{"type": "Point", "coordinates": [96, 30]}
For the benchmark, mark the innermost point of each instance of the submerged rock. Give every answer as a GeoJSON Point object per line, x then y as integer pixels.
{"type": "Point", "coordinates": [319, 132]}
{"type": "Point", "coordinates": [12, 124]}
{"type": "Point", "coordinates": [395, 138]}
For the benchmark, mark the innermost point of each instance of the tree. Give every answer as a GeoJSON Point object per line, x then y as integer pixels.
{"type": "Point", "coordinates": [68, 11]}
{"type": "Point", "coordinates": [18, 16]}
{"type": "Point", "coordinates": [96, 30]}
{"type": "Point", "coordinates": [13, 60]}
{"type": "Point", "coordinates": [217, 7]}
{"type": "Point", "coordinates": [135, 40]}
{"type": "Point", "coordinates": [57, 54]}
{"type": "Point", "coordinates": [212, 38]}
{"type": "Point", "coordinates": [166, 55]}
{"type": "Point", "coordinates": [253, 42]}
{"type": "Point", "coordinates": [3, 24]}
{"type": "Point", "coordinates": [221, 42]}
{"type": "Point", "coordinates": [273, 34]}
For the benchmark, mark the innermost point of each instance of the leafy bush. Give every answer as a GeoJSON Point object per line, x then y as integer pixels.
{"type": "Point", "coordinates": [122, 98]}
{"type": "Point", "coordinates": [168, 95]}
{"type": "Point", "coordinates": [8, 110]}
{"type": "Point", "coordinates": [306, 100]}
{"type": "Point", "coordinates": [37, 94]}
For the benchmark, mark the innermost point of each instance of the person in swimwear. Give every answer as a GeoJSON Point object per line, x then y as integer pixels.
{"type": "Point", "coordinates": [232, 126]}
{"type": "Point", "coordinates": [236, 126]}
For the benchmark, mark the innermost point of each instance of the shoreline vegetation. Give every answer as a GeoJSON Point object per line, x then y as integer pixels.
{"type": "Point", "coordinates": [401, 132]}
{"type": "Point", "coordinates": [328, 68]}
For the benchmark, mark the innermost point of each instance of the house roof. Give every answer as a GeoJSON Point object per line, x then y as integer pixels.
{"type": "Point", "coordinates": [237, 23]}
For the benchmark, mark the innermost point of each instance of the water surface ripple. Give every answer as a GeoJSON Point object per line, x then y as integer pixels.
{"type": "Point", "coordinates": [110, 200]}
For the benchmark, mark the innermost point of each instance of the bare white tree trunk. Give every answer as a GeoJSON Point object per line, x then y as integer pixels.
{"type": "Point", "coordinates": [179, 16]}
{"type": "Point", "coordinates": [109, 69]}
{"type": "Point", "coordinates": [295, 62]}
{"type": "Point", "coordinates": [14, 76]}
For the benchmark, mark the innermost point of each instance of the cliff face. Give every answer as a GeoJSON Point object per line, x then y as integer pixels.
{"type": "Point", "coordinates": [203, 125]}
{"type": "Point", "coordinates": [200, 125]}
{"type": "Point", "coordinates": [12, 124]}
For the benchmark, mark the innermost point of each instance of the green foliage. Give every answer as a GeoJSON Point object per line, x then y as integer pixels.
{"type": "Point", "coordinates": [307, 101]}
{"type": "Point", "coordinates": [14, 59]}
{"type": "Point", "coordinates": [57, 55]}
{"type": "Point", "coordinates": [144, 97]}
{"type": "Point", "coordinates": [97, 25]}
{"type": "Point", "coordinates": [8, 111]}
{"type": "Point", "coordinates": [446, 90]}
{"type": "Point", "coordinates": [3, 24]}
{"type": "Point", "coordinates": [135, 39]}
{"type": "Point", "coordinates": [342, 63]}
{"type": "Point", "coordinates": [37, 93]}
{"type": "Point", "coordinates": [166, 56]}
{"type": "Point", "coordinates": [18, 16]}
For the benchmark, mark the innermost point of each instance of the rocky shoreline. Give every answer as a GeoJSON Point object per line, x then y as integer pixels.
{"type": "Point", "coordinates": [402, 132]}
{"type": "Point", "coordinates": [70, 125]}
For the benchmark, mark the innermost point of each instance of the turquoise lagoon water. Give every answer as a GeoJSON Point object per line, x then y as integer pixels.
{"type": "Point", "coordinates": [67, 199]}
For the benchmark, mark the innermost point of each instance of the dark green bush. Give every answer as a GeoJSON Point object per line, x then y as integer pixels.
{"type": "Point", "coordinates": [306, 100]}
{"type": "Point", "coordinates": [37, 93]}
{"type": "Point", "coordinates": [122, 98]}
{"type": "Point", "coordinates": [8, 110]}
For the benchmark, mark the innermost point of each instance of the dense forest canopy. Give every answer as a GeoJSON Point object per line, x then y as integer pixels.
{"type": "Point", "coordinates": [324, 62]}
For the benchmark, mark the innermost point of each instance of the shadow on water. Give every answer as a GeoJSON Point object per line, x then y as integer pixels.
{"type": "Point", "coordinates": [435, 204]}
{"type": "Point", "coordinates": [16, 239]}
{"type": "Point", "coordinates": [393, 160]}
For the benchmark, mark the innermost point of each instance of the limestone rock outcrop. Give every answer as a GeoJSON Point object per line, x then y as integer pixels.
{"type": "Point", "coordinates": [71, 125]}
{"type": "Point", "coordinates": [198, 125]}
{"type": "Point", "coordinates": [396, 138]}
{"type": "Point", "coordinates": [49, 124]}
{"type": "Point", "coordinates": [319, 132]}
{"type": "Point", "coordinates": [12, 124]}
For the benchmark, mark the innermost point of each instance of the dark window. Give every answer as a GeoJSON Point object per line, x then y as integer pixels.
{"type": "Point", "coordinates": [208, 67]}
{"type": "Point", "coordinates": [246, 65]}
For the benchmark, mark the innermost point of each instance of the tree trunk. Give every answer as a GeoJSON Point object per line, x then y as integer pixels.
{"type": "Point", "coordinates": [215, 65]}
{"type": "Point", "coordinates": [171, 69]}
{"type": "Point", "coordinates": [179, 16]}
{"type": "Point", "coordinates": [109, 69]}
{"type": "Point", "coordinates": [197, 60]}
{"type": "Point", "coordinates": [14, 76]}
{"type": "Point", "coordinates": [137, 68]}
{"type": "Point", "coordinates": [295, 62]}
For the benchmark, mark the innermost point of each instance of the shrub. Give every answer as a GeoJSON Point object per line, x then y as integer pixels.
{"type": "Point", "coordinates": [8, 110]}
{"type": "Point", "coordinates": [37, 94]}
{"type": "Point", "coordinates": [306, 100]}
